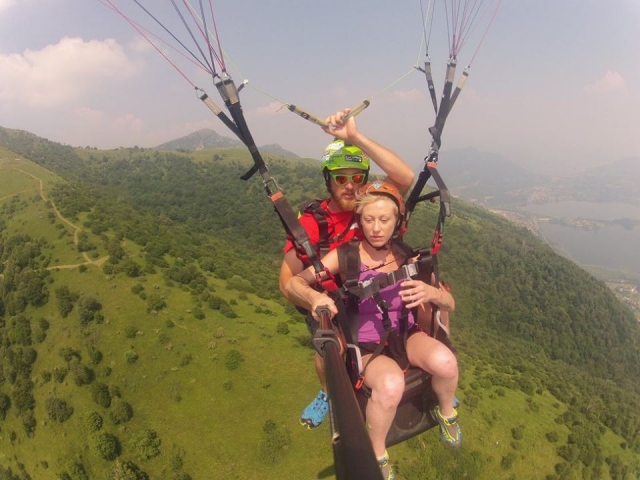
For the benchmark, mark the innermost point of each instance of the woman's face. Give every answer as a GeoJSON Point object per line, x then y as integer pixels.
{"type": "Point", "coordinates": [378, 221]}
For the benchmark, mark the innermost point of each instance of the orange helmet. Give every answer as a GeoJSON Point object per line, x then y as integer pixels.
{"type": "Point", "coordinates": [384, 188]}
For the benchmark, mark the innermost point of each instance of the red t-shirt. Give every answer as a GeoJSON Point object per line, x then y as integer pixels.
{"type": "Point", "coordinates": [340, 225]}
{"type": "Point", "coordinates": [337, 224]}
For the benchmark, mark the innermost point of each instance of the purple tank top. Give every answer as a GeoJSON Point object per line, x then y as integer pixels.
{"type": "Point", "coordinates": [370, 328]}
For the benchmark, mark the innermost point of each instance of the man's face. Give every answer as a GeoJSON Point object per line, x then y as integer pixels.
{"type": "Point", "coordinates": [344, 194]}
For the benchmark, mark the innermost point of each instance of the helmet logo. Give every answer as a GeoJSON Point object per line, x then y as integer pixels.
{"type": "Point", "coordinates": [376, 185]}
{"type": "Point", "coordinates": [353, 158]}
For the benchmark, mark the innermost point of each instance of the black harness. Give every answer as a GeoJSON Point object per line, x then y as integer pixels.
{"type": "Point", "coordinates": [353, 291]}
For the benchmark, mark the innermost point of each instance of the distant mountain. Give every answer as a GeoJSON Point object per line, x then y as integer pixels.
{"type": "Point", "coordinates": [207, 138]}
{"type": "Point", "coordinates": [487, 179]}
{"type": "Point", "coordinates": [614, 182]}
{"type": "Point", "coordinates": [493, 181]}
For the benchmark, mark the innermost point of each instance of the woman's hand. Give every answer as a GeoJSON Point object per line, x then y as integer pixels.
{"type": "Point", "coordinates": [416, 292]}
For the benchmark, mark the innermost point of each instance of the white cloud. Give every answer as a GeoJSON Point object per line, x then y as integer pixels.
{"type": "Point", "coordinates": [6, 4]}
{"type": "Point", "coordinates": [61, 73]}
{"type": "Point", "coordinates": [611, 82]}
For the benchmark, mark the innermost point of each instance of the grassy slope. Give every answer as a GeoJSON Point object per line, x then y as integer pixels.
{"type": "Point", "coordinates": [219, 431]}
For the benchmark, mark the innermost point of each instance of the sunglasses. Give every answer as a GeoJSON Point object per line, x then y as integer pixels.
{"type": "Point", "coordinates": [342, 179]}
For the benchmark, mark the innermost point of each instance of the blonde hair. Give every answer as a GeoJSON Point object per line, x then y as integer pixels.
{"type": "Point", "coordinates": [369, 198]}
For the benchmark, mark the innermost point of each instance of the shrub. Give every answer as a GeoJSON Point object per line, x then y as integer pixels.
{"type": "Point", "coordinates": [100, 395]}
{"type": "Point", "coordinates": [93, 422]}
{"type": "Point", "coordinates": [58, 409]}
{"type": "Point", "coordinates": [82, 375]}
{"type": "Point", "coordinates": [127, 471]}
{"type": "Point", "coordinates": [275, 444]}
{"type": "Point", "coordinates": [130, 331]}
{"type": "Point", "coordinates": [131, 357]}
{"type": "Point", "coordinates": [233, 359]}
{"type": "Point", "coordinates": [121, 413]}
{"type": "Point", "coordinates": [107, 445]}
{"type": "Point", "coordinates": [282, 328]}
{"type": "Point", "coordinates": [227, 311]}
{"type": "Point", "coordinates": [59, 373]}
{"type": "Point", "coordinates": [95, 356]}
{"type": "Point", "coordinates": [147, 444]}
{"type": "Point", "coordinates": [5, 404]}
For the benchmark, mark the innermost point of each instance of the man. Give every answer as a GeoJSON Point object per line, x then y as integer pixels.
{"type": "Point", "coordinates": [345, 166]}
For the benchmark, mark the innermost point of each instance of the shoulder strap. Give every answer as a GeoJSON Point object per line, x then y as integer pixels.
{"type": "Point", "coordinates": [349, 264]}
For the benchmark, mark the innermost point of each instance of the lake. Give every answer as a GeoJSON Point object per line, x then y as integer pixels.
{"type": "Point", "coordinates": [611, 247]}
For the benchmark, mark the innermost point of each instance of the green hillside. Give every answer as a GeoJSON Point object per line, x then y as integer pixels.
{"type": "Point", "coordinates": [143, 335]}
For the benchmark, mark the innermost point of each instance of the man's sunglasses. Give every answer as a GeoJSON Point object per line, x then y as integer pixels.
{"type": "Point", "coordinates": [342, 179]}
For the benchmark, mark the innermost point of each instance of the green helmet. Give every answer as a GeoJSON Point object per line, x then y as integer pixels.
{"type": "Point", "coordinates": [339, 154]}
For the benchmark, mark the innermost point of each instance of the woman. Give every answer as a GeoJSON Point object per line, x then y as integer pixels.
{"type": "Point", "coordinates": [380, 211]}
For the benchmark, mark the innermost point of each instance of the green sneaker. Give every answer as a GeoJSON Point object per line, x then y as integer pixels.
{"type": "Point", "coordinates": [386, 468]}
{"type": "Point", "coordinates": [450, 432]}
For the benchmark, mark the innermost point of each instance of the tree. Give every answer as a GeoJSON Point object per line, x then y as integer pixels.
{"type": "Point", "coordinates": [127, 471]}
{"type": "Point", "coordinates": [66, 300]}
{"type": "Point", "coordinates": [121, 413]}
{"type": "Point", "coordinates": [147, 444]}
{"type": "Point", "coordinates": [107, 445]}
{"type": "Point", "coordinates": [100, 394]}
{"type": "Point", "coordinates": [58, 409]}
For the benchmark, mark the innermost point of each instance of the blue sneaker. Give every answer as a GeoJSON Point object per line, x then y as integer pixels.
{"type": "Point", "coordinates": [450, 432]}
{"type": "Point", "coordinates": [314, 414]}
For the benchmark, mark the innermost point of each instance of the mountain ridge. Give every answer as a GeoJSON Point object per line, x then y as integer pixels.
{"type": "Point", "coordinates": [207, 138]}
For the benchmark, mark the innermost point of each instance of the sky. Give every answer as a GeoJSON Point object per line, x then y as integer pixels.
{"type": "Point", "coordinates": [555, 85]}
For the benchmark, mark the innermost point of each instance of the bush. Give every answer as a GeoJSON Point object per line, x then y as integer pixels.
{"type": "Point", "coordinates": [233, 359]}
{"type": "Point", "coordinates": [100, 395]}
{"type": "Point", "coordinates": [130, 331]}
{"type": "Point", "coordinates": [131, 357]}
{"type": "Point", "coordinates": [95, 356]}
{"type": "Point", "coordinates": [59, 373]}
{"type": "Point", "coordinates": [275, 444]}
{"type": "Point", "coordinates": [93, 422]}
{"type": "Point", "coordinates": [82, 375]}
{"type": "Point", "coordinates": [147, 444]}
{"type": "Point", "coordinates": [121, 413]}
{"type": "Point", "coordinates": [107, 445]}
{"type": "Point", "coordinates": [58, 409]}
{"type": "Point", "coordinates": [128, 471]}
{"type": "Point", "coordinates": [282, 328]}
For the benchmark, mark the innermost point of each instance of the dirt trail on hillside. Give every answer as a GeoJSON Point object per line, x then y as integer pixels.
{"type": "Point", "coordinates": [76, 230]}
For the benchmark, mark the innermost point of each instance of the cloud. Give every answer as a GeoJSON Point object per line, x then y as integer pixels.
{"type": "Point", "coordinates": [611, 82]}
{"type": "Point", "coordinates": [6, 4]}
{"type": "Point", "coordinates": [61, 73]}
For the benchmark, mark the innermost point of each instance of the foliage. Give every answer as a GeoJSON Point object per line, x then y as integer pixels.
{"type": "Point", "coordinates": [147, 444]}
{"type": "Point", "coordinates": [127, 471]}
{"type": "Point", "coordinates": [107, 445]}
{"type": "Point", "coordinates": [233, 359]}
{"type": "Point", "coordinates": [93, 422]}
{"type": "Point", "coordinates": [275, 442]}
{"type": "Point", "coordinates": [58, 409]}
{"type": "Point", "coordinates": [100, 394]}
{"type": "Point", "coordinates": [121, 412]}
